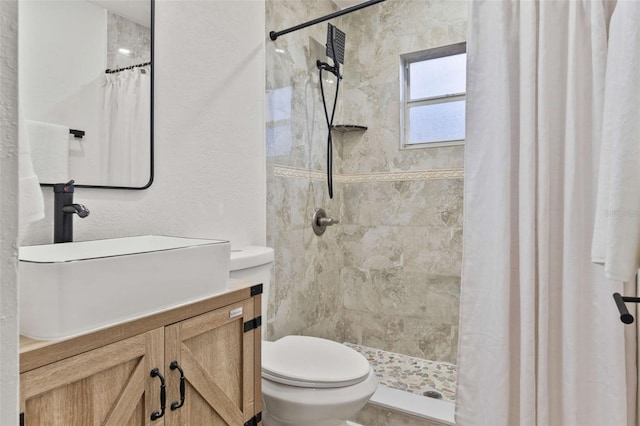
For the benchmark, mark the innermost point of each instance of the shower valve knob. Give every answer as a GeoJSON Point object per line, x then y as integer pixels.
{"type": "Point", "coordinates": [327, 221]}
{"type": "Point", "coordinates": [320, 221]}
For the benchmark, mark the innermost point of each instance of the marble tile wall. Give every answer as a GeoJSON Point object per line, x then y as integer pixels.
{"type": "Point", "coordinates": [376, 37]}
{"type": "Point", "coordinates": [388, 276]}
{"type": "Point", "coordinates": [401, 277]}
{"type": "Point", "coordinates": [306, 294]}
{"type": "Point", "coordinates": [124, 33]}
{"type": "Point", "coordinates": [402, 239]}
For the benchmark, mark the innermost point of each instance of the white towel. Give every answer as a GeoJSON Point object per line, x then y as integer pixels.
{"type": "Point", "coordinates": [31, 202]}
{"type": "Point", "coordinates": [616, 237]}
{"type": "Point", "coordinates": [49, 151]}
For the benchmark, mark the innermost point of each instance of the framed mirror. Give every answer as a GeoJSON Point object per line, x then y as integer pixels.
{"type": "Point", "coordinates": [86, 90]}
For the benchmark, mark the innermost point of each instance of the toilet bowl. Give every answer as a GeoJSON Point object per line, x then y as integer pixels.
{"type": "Point", "coordinates": [312, 381]}
{"type": "Point", "coordinates": [305, 380]}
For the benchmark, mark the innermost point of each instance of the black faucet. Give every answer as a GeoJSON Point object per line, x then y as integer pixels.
{"type": "Point", "coordinates": [63, 210]}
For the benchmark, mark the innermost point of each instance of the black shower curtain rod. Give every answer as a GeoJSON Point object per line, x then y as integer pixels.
{"type": "Point", "coordinates": [275, 34]}
{"type": "Point", "coordinates": [108, 71]}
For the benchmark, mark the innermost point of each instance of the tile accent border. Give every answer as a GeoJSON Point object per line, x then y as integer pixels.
{"type": "Point", "coordinates": [434, 174]}
{"type": "Point", "coordinates": [293, 172]}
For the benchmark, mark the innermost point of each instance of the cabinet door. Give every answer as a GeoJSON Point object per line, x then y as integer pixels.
{"type": "Point", "coordinates": [106, 386]}
{"type": "Point", "coordinates": [217, 358]}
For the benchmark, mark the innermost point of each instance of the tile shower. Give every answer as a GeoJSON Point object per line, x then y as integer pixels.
{"type": "Point", "coordinates": [386, 279]}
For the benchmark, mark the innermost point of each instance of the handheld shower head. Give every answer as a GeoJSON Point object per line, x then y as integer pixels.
{"type": "Point", "coordinates": [335, 51]}
{"type": "Point", "coordinates": [335, 40]}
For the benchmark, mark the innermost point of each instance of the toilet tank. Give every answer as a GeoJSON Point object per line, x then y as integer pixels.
{"type": "Point", "coordinates": [253, 264]}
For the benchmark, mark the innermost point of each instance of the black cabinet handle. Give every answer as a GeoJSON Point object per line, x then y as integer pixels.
{"type": "Point", "coordinates": [175, 404]}
{"type": "Point", "coordinates": [163, 395]}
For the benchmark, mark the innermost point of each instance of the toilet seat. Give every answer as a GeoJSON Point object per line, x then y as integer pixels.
{"type": "Point", "coordinates": [312, 362]}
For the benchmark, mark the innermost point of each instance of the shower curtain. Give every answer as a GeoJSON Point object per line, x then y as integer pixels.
{"type": "Point", "coordinates": [541, 342]}
{"type": "Point", "coordinates": [125, 139]}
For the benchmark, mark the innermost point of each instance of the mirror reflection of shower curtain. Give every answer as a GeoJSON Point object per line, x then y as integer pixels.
{"type": "Point", "coordinates": [124, 153]}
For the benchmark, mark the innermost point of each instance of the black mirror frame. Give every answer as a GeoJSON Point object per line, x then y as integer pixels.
{"type": "Point", "coordinates": [151, 135]}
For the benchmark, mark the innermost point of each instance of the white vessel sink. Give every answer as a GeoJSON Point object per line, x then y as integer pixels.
{"type": "Point", "coordinates": [74, 288]}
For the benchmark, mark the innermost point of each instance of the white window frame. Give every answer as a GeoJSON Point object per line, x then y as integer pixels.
{"type": "Point", "coordinates": [405, 61]}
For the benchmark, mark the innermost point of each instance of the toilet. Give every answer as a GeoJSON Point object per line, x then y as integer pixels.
{"type": "Point", "coordinates": [305, 380]}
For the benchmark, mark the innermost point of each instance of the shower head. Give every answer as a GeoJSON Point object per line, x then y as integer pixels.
{"type": "Point", "coordinates": [335, 39]}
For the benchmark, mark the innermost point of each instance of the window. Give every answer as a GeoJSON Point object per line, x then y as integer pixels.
{"type": "Point", "coordinates": [433, 96]}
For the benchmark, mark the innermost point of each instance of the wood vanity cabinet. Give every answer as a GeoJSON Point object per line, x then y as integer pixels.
{"type": "Point", "coordinates": [209, 363]}
{"type": "Point", "coordinates": [108, 385]}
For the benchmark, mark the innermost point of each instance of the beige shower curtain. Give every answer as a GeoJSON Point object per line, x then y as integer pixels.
{"type": "Point", "coordinates": [541, 342]}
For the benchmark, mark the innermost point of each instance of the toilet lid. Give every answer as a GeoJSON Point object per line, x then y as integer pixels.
{"type": "Point", "coordinates": [312, 362]}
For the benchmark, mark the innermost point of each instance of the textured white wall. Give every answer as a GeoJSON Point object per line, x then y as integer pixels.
{"type": "Point", "coordinates": [8, 212]}
{"type": "Point", "coordinates": [209, 139]}
{"type": "Point", "coordinates": [63, 85]}
{"type": "Point", "coordinates": [209, 133]}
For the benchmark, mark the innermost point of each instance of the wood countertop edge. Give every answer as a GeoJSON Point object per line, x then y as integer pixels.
{"type": "Point", "coordinates": [38, 353]}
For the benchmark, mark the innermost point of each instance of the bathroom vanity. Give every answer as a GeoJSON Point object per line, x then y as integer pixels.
{"type": "Point", "coordinates": [197, 364]}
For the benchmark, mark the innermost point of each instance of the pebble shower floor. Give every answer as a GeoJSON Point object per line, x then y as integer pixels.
{"type": "Point", "coordinates": [411, 374]}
